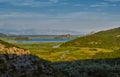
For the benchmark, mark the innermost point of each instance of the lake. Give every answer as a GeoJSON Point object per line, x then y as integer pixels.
{"type": "Point", "coordinates": [40, 40]}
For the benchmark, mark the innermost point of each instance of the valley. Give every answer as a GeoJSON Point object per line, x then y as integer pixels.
{"type": "Point", "coordinates": [96, 46]}
{"type": "Point", "coordinates": [95, 55]}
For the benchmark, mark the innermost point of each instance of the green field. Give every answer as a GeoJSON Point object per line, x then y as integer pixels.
{"type": "Point", "coordinates": [104, 44]}
{"type": "Point", "coordinates": [49, 51]}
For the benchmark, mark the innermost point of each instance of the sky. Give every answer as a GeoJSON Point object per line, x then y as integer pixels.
{"type": "Point", "coordinates": [62, 15]}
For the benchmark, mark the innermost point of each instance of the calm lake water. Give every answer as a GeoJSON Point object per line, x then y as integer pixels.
{"type": "Point", "coordinates": [40, 40]}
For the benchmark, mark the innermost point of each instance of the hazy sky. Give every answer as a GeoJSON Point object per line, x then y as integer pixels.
{"type": "Point", "coordinates": [75, 15]}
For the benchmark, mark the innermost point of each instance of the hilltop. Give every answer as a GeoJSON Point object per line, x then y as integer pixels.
{"type": "Point", "coordinates": [109, 39]}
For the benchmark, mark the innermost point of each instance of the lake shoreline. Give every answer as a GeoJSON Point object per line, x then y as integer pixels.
{"type": "Point", "coordinates": [39, 40]}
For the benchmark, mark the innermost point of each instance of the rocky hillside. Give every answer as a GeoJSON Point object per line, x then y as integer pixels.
{"type": "Point", "coordinates": [17, 62]}
{"type": "Point", "coordinates": [13, 50]}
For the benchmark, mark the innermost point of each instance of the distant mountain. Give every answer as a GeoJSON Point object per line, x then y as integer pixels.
{"type": "Point", "coordinates": [2, 35]}
{"type": "Point", "coordinates": [103, 39]}
{"type": "Point", "coordinates": [67, 36]}
{"type": "Point", "coordinates": [39, 32]}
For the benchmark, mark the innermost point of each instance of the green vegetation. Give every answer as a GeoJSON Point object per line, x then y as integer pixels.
{"type": "Point", "coordinates": [115, 54]}
{"type": "Point", "coordinates": [104, 44]}
{"type": "Point", "coordinates": [7, 44]}
{"type": "Point", "coordinates": [43, 50]}
{"type": "Point", "coordinates": [96, 55]}
{"type": "Point", "coordinates": [109, 39]}
{"type": "Point", "coordinates": [89, 68]}
{"type": "Point", "coordinates": [48, 52]}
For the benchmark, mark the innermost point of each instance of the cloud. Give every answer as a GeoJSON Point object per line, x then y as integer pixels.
{"type": "Point", "coordinates": [99, 5]}
{"type": "Point", "coordinates": [54, 1]}
{"type": "Point", "coordinates": [103, 4]}
{"type": "Point", "coordinates": [64, 14]}
{"type": "Point", "coordinates": [31, 3]}
{"type": "Point", "coordinates": [76, 21]}
{"type": "Point", "coordinates": [78, 5]}
{"type": "Point", "coordinates": [113, 0]}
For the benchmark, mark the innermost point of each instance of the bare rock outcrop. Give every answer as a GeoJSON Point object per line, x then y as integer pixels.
{"type": "Point", "coordinates": [13, 50]}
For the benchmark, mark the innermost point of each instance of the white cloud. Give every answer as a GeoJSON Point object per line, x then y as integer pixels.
{"type": "Point", "coordinates": [31, 3]}
{"type": "Point", "coordinates": [54, 1]}
{"type": "Point", "coordinates": [79, 5]}
{"type": "Point", "coordinates": [78, 21]}
{"type": "Point", "coordinates": [113, 0]}
{"type": "Point", "coordinates": [104, 4]}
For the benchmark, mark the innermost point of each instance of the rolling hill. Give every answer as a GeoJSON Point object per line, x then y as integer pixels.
{"type": "Point", "coordinates": [109, 39]}
{"type": "Point", "coordinates": [103, 44]}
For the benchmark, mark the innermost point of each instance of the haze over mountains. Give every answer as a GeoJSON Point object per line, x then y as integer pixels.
{"type": "Point", "coordinates": [40, 32]}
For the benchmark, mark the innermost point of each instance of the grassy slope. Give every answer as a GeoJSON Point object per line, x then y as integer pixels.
{"type": "Point", "coordinates": [105, 39]}
{"type": "Point", "coordinates": [37, 67]}
{"type": "Point", "coordinates": [43, 50]}
{"type": "Point", "coordinates": [104, 44]}
{"type": "Point", "coordinates": [7, 45]}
